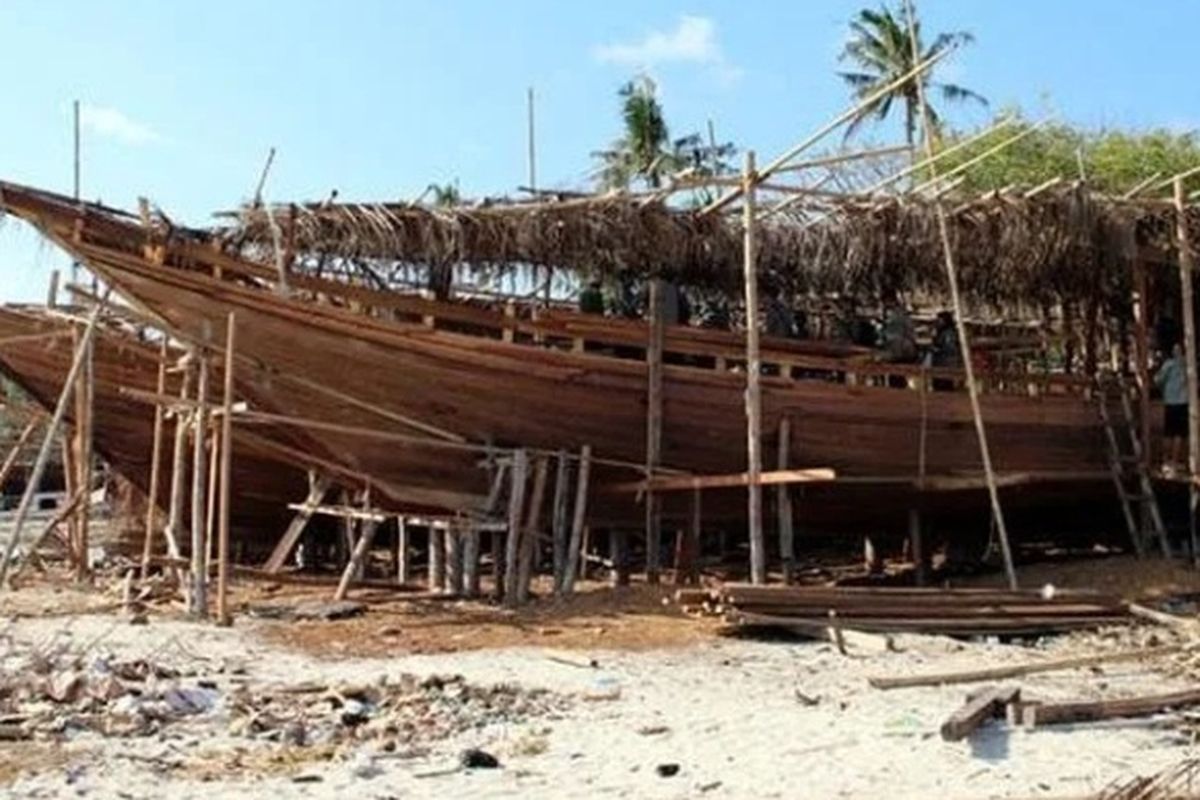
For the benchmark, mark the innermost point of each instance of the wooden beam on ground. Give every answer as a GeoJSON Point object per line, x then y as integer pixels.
{"type": "Point", "coordinates": [758, 555]}
{"type": "Point", "coordinates": [155, 464]}
{"type": "Point", "coordinates": [223, 616]}
{"type": "Point", "coordinates": [987, 703]}
{"type": "Point", "coordinates": [1035, 714]}
{"type": "Point", "coordinates": [1020, 670]}
{"type": "Point", "coordinates": [318, 486]}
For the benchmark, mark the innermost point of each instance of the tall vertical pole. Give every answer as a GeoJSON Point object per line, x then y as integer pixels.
{"type": "Point", "coordinates": [199, 549]}
{"type": "Point", "coordinates": [1186, 266]}
{"type": "Point", "coordinates": [960, 325]}
{"type": "Point", "coordinates": [654, 421]}
{"type": "Point", "coordinates": [223, 617]}
{"type": "Point", "coordinates": [1141, 367]}
{"type": "Point", "coordinates": [758, 556]}
{"type": "Point", "coordinates": [532, 143]}
{"type": "Point", "coordinates": [783, 498]}
{"type": "Point", "coordinates": [155, 463]}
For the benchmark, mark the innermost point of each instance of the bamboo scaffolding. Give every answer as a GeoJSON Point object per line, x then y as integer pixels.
{"type": "Point", "coordinates": [758, 556]}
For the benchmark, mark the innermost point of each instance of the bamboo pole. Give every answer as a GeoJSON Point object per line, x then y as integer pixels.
{"type": "Point", "coordinates": [39, 465]}
{"type": "Point", "coordinates": [960, 324]}
{"type": "Point", "coordinates": [516, 507]}
{"type": "Point", "coordinates": [654, 421]}
{"type": "Point", "coordinates": [574, 548]}
{"type": "Point", "coordinates": [199, 598]}
{"type": "Point", "coordinates": [1189, 349]}
{"type": "Point", "coordinates": [821, 133]}
{"type": "Point", "coordinates": [758, 558]}
{"type": "Point", "coordinates": [783, 496]}
{"type": "Point", "coordinates": [155, 464]}
{"type": "Point", "coordinates": [223, 616]}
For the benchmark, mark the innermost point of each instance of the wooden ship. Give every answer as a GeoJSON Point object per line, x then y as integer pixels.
{"type": "Point", "coordinates": [414, 392]}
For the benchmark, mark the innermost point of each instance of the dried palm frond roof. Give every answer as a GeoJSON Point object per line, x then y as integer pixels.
{"type": "Point", "coordinates": [1011, 247]}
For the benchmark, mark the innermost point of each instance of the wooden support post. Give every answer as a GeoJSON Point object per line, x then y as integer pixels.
{"type": "Point", "coordinates": [689, 571]}
{"type": "Point", "coordinates": [454, 560]}
{"type": "Point", "coordinates": [223, 615]}
{"type": "Point", "coordinates": [920, 559]}
{"type": "Point", "coordinates": [512, 542]}
{"type": "Point", "coordinates": [318, 485]}
{"type": "Point", "coordinates": [354, 566]}
{"type": "Point", "coordinates": [758, 555]}
{"type": "Point", "coordinates": [155, 464]}
{"type": "Point", "coordinates": [1141, 360]}
{"type": "Point", "coordinates": [437, 558]}
{"type": "Point", "coordinates": [1186, 266]}
{"type": "Point", "coordinates": [783, 498]}
{"type": "Point", "coordinates": [558, 524]}
{"type": "Point", "coordinates": [531, 535]}
{"type": "Point", "coordinates": [175, 507]}
{"type": "Point", "coordinates": [574, 548]}
{"type": "Point", "coordinates": [471, 561]}
{"type": "Point", "coordinates": [654, 422]}
{"type": "Point", "coordinates": [83, 456]}
{"type": "Point", "coordinates": [43, 456]}
{"type": "Point", "coordinates": [618, 555]}
{"type": "Point", "coordinates": [199, 597]}
{"type": "Point", "coordinates": [402, 556]}
{"type": "Point", "coordinates": [212, 488]}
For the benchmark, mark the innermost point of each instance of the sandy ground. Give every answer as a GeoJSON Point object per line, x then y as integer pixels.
{"type": "Point", "coordinates": [741, 719]}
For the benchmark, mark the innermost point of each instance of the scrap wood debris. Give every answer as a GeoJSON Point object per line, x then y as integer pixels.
{"type": "Point", "coordinates": [956, 612]}
{"type": "Point", "coordinates": [54, 692]}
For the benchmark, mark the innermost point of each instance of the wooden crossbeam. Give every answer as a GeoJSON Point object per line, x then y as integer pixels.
{"type": "Point", "coordinates": [679, 483]}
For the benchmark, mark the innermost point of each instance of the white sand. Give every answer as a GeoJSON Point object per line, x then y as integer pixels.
{"type": "Point", "coordinates": [734, 726]}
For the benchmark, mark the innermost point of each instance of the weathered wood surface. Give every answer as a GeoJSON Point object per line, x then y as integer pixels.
{"type": "Point", "coordinates": [981, 706]}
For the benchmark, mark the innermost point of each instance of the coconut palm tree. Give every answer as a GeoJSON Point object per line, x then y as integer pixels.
{"type": "Point", "coordinates": [881, 49]}
{"type": "Point", "coordinates": [643, 152]}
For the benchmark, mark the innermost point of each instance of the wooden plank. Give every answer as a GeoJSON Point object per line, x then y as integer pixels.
{"type": "Point", "coordinates": [1095, 710]}
{"type": "Point", "coordinates": [318, 486]}
{"type": "Point", "coordinates": [981, 706]}
{"type": "Point", "coordinates": [1020, 670]}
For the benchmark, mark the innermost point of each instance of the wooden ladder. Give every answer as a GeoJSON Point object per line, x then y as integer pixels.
{"type": "Point", "coordinates": [1128, 466]}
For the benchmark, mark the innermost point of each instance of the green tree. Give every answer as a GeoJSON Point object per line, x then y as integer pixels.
{"type": "Point", "coordinates": [1112, 161]}
{"type": "Point", "coordinates": [643, 152]}
{"type": "Point", "coordinates": [882, 52]}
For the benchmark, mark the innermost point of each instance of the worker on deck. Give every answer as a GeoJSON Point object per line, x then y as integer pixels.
{"type": "Point", "coordinates": [899, 338]}
{"type": "Point", "coordinates": [851, 327]}
{"type": "Point", "coordinates": [675, 307]}
{"type": "Point", "coordinates": [945, 352]}
{"type": "Point", "coordinates": [591, 299]}
{"type": "Point", "coordinates": [1171, 378]}
{"type": "Point", "coordinates": [780, 321]}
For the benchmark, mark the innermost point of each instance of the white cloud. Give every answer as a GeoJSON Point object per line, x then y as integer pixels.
{"type": "Point", "coordinates": [113, 124]}
{"type": "Point", "coordinates": [692, 41]}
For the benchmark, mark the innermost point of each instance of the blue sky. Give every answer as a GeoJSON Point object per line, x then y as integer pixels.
{"type": "Point", "coordinates": [377, 99]}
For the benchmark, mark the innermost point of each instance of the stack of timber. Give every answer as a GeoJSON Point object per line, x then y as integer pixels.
{"type": "Point", "coordinates": [954, 612]}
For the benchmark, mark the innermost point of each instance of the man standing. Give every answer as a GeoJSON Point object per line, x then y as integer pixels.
{"type": "Point", "coordinates": [1171, 378]}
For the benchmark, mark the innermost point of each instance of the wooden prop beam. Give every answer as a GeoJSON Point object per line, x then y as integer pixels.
{"type": "Point", "coordinates": [198, 605]}
{"type": "Point", "coordinates": [960, 324]}
{"type": "Point", "coordinates": [575, 547]}
{"type": "Point", "coordinates": [318, 486]}
{"type": "Point", "coordinates": [758, 555]}
{"type": "Point", "coordinates": [1186, 268]}
{"type": "Point", "coordinates": [783, 500]}
{"type": "Point", "coordinates": [529, 536]}
{"type": "Point", "coordinates": [43, 456]}
{"type": "Point", "coordinates": [223, 616]}
{"type": "Point", "coordinates": [155, 465]}
{"type": "Point", "coordinates": [654, 423]}
{"type": "Point", "coordinates": [516, 519]}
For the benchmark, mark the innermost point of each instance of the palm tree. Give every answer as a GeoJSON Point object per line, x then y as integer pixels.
{"type": "Point", "coordinates": [642, 152]}
{"type": "Point", "coordinates": [881, 48]}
